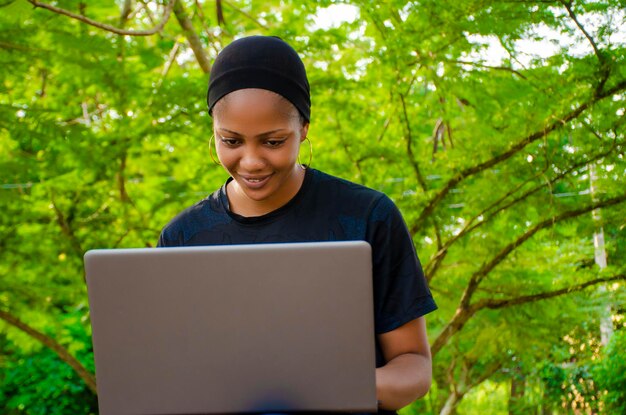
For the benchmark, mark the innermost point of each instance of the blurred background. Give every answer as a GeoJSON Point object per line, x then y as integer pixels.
{"type": "Point", "coordinates": [496, 126]}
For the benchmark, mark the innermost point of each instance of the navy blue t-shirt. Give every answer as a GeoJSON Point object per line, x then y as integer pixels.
{"type": "Point", "coordinates": [325, 208]}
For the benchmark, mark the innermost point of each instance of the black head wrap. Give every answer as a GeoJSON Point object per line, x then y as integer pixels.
{"type": "Point", "coordinates": [264, 62]}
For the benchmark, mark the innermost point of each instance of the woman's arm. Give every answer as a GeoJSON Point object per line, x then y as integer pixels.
{"type": "Point", "coordinates": [408, 373]}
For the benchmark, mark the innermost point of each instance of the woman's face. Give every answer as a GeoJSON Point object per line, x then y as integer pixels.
{"type": "Point", "coordinates": [257, 140]}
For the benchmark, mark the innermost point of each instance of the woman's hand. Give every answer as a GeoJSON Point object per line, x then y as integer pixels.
{"type": "Point", "coordinates": [407, 375]}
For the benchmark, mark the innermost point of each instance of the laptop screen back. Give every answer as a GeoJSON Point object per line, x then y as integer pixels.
{"type": "Point", "coordinates": [241, 328]}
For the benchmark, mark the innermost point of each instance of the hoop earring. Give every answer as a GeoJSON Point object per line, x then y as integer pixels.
{"type": "Point", "coordinates": [305, 166]}
{"type": "Point", "coordinates": [211, 151]}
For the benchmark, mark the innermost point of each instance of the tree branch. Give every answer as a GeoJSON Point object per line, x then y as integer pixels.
{"type": "Point", "coordinates": [219, 13]}
{"type": "Point", "coordinates": [509, 302]}
{"type": "Point", "coordinates": [261, 25]}
{"type": "Point", "coordinates": [466, 310]}
{"type": "Point", "coordinates": [64, 355]}
{"type": "Point", "coordinates": [568, 6]}
{"type": "Point", "coordinates": [121, 180]}
{"type": "Point", "coordinates": [438, 257]}
{"type": "Point", "coordinates": [344, 144]}
{"type": "Point", "coordinates": [433, 264]}
{"type": "Point", "coordinates": [207, 30]}
{"type": "Point", "coordinates": [459, 391]}
{"type": "Point", "coordinates": [605, 69]}
{"type": "Point", "coordinates": [6, 45]}
{"type": "Point", "coordinates": [109, 28]}
{"type": "Point", "coordinates": [470, 171]}
{"type": "Point", "coordinates": [170, 61]}
{"type": "Point", "coordinates": [409, 148]}
{"type": "Point", "coordinates": [480, 65]}
{"type": "Point", "coordinates": [192, 37]}
{"type": "Point", "coordinates": [385, 127]}
{"type": "Point", "coordinates": [125, 12]}
{"type": "Point", "coordinates": [501, 256]}
{"type": "Point", "coordinates": [146, 10]}
{"type": "Point", "coordinates": [67, 230]}
{"type": "Point", "coordinates": [463, 315]}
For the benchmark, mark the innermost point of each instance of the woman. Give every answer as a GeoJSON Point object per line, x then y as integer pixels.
{"type": "Point", "coordinates": [260, 103]}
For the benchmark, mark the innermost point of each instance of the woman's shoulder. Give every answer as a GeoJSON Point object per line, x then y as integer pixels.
{"type": "Point", "coordinates": [202, 214]}
{"type": "Point", "coordinates": [347, 193]}
{"type": "Point", "coordinates": [345, 187]}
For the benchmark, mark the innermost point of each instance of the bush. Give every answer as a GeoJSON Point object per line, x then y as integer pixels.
{"type": "Point", "coordinates": [610, 375]}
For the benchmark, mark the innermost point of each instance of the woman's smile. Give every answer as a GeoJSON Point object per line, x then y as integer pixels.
{"type": "Point", "coordinates": [255, 181]}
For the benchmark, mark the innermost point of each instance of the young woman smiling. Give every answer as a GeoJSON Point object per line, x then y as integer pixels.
{"type": "Point", "coordinates": [259, 98]}
{"type": "Point", "coordinates": [257, 139]}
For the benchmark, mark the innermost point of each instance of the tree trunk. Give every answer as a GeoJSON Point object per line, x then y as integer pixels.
{"type": "Point", "coordinates": [449, 408]}
{"type": "Point", "coordinates": [606, 321]}
{"type": "Point", "coordinates": [516, 398]}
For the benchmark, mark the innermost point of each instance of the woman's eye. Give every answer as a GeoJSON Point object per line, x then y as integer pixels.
{"type": "Point", "coordinates": [274, 143]}
{"type": "Point", "coordinates": [231, 142]}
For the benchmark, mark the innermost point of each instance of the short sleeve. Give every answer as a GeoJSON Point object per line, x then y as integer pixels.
{"type": "Point", "coordinates": [163, 242]}
{"type": "Point", "coordinates": [170, 236]}
{"type": "Point", "coordinates": [401, 292]}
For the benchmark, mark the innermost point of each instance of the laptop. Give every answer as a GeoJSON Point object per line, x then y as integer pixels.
{"type": "Point", "coordinates": [233, 329]}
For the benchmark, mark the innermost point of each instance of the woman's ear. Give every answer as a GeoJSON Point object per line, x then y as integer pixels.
{"type": "Point", "coordinates": [304, 131]}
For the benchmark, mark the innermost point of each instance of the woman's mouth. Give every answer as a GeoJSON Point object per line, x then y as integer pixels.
{"type": "Point", "coordinates": [255, 182]}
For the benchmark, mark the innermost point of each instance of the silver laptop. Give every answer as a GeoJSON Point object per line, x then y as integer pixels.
{"type": "Point", "coordinates": [233, 329]}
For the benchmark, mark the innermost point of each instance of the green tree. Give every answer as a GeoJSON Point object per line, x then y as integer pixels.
{"type": "Point", "coordinates": [481, 119]}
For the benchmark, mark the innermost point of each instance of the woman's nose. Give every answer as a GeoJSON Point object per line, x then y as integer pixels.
{"type": "Point", "coordinates": [252, 159]}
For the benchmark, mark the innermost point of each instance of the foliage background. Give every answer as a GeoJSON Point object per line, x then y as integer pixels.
{"type": "Point", "coordinates": [484, 120]}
